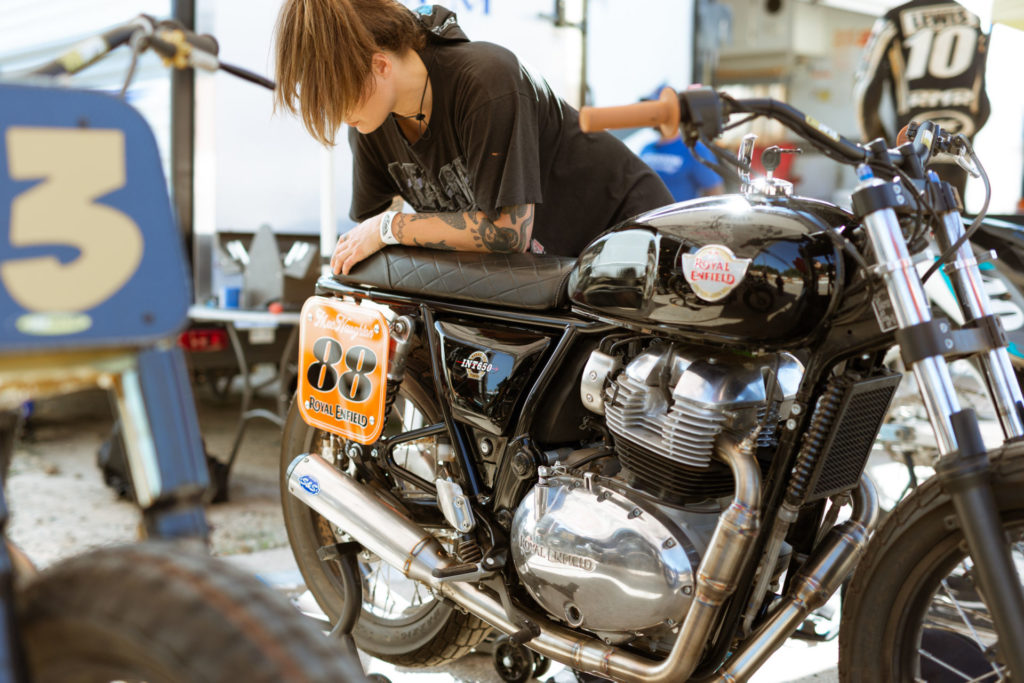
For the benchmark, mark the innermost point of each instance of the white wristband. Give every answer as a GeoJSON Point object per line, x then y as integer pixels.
{"type": "Point", "coordinates": [386, 236]}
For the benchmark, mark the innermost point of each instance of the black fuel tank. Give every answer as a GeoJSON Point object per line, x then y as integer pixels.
{"type": "Point", "coordinates": [732, 269]}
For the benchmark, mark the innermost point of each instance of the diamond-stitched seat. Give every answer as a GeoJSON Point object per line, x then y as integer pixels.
{"type": "Point", "coordinates": [527, 281]}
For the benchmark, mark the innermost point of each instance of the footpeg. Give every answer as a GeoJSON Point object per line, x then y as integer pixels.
{"type": "Point", "coordinates": [528, 632]}
{"type": "Point", "coordinates": [454, 571]}
{"type": "Point", "coordinates": [460, 572]}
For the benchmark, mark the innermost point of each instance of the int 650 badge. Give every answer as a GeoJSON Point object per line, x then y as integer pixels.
{"type": "Point", "coordinates": [343, 361]}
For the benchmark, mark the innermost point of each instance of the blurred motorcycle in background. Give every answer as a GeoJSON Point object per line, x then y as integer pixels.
{"type": "Point", "coordinates": [94, 287]}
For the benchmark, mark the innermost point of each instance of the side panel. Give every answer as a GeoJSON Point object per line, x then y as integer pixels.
{"type": "Point", "coordinates": [486, 370]}
{"type": "Point", "coordinates": [343, 361]}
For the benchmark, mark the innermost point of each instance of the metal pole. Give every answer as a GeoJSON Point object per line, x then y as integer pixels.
{"type": "Point", "coordinates": [183, 132]}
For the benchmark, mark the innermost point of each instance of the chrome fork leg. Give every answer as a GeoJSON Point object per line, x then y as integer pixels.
{"type": "Point", "coordinates": [963, 465]}
{"type": "Point", "coordinates": [976, 305]}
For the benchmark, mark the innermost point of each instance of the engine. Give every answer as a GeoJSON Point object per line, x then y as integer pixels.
{"type": "Point", "coordinates": [616, 555]}
{"type": "Point", "coordinates": [670, 408]}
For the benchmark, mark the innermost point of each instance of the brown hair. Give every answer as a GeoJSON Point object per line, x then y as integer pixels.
{"type": "Point", "coordinates": [324, 50]}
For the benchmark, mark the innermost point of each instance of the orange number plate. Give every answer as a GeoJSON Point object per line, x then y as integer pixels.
{"type": "Point", "coordinates": [343, 362]}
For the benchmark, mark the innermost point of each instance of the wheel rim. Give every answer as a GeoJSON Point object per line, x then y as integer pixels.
{"type": "Point", "coordinates": [955, 639]}
{"type": "Point", "coordinates": [388, 596]}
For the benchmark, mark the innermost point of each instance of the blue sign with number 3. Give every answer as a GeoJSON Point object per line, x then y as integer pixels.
{"type": "Point", "coordinates": [90, 254]}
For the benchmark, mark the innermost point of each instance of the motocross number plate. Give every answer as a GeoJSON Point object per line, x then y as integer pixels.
{"type": "Point", "coordinates": [343, 361]}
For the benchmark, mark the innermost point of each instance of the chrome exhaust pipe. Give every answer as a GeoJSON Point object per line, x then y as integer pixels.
{"type": "Point", "coordinates": [812, 587]}
{"type": "Point", "coordinates": [379, 528]}
{"type": "Point", "coordinates": [373, 523]}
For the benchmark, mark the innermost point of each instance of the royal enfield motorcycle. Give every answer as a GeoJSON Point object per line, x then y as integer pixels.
{"type": "Point", "coordinates": [638, 462]}
{"type": "Point", "coordinates": [94, 287]}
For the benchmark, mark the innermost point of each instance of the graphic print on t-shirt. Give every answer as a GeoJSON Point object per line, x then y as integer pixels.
{"type": "Point", "coordinates": [450, 192]}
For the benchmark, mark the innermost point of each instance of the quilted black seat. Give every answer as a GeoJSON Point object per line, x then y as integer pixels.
{"type": "Point", "coordinates": [527, 281]}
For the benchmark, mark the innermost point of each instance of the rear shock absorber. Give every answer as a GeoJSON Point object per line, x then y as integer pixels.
{"type": "Point", "coordinates": [402, 331]}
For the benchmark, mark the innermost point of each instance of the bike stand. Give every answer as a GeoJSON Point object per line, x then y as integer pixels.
{"type": "Point", "coordinates": [342, 629]}
{"type": "Point", "coordinates": [348, 643]}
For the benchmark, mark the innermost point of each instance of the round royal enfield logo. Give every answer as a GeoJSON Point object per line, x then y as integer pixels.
{"type": "Point", "coordinates": [714, 271]}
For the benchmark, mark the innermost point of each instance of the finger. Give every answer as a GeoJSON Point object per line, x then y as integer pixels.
{"type": "Point", "coordinates": [349, 262]}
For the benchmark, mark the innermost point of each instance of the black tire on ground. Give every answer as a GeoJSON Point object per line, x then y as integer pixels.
{"type": "Point", "coordinates": [152, 612]}
{"type": "Point", "coordinates": [917, 546]}
{"type": "Point", "coordinates": [434, 635]}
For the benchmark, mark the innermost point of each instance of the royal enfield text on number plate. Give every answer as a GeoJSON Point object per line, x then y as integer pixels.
{"type": "Point", "coordinates": [343, 362]}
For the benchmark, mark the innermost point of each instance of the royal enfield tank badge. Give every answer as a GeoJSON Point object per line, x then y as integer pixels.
{"type": "Point", "coordinates": [714, 271]}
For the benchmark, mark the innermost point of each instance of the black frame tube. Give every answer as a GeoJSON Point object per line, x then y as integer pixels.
{"type": "Point", "coordinates": [460, 440]}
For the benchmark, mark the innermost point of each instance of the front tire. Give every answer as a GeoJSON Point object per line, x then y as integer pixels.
{"type": "Point", "coordinates": [150, 612]}
{"type": "Point", "coordinates": [912, 609]}
{"type": "Point", "coordinates": [426, 632]}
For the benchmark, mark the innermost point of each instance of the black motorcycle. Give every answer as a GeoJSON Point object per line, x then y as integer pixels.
{"type": "Point", "coordinates": [634, 462]}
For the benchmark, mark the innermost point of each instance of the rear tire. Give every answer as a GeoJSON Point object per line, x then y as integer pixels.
{"type": "Point", "coordinates": [912, 608]}
{"type": "Point", "coordinates": [149, 612]}
{"type": "Point", "coordinates": [432, 634]}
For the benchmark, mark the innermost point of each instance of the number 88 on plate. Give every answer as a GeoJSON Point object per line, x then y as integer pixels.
{"type": "Point", "coordinates": [343, 361]}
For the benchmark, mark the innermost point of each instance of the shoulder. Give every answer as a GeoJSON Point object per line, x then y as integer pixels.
{"type": "Point", "coordinates": [484, 69]}
{"type": "Point", "coordinates": [484, 63]}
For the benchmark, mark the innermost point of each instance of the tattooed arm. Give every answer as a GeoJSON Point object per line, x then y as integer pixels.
{"type": "Point", "coordinates": [511, 231]}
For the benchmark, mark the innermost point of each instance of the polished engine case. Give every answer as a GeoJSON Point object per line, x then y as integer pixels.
{"type": "Point", "coordinates": [600, 560]}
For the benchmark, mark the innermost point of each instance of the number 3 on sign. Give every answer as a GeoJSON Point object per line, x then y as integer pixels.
{"type": "Point", "coordinates": [73, 169]}
{"type": "Point", "coordinates": [343, 360]}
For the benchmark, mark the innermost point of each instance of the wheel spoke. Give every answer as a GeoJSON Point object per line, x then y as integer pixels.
{"type": "Point", "coordinates": [963, 614]}
{"type": "Point", "coordinates": [944, 665]}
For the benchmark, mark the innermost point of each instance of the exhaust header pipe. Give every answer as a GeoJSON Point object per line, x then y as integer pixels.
{"type": "Point", "coordinates": [381, 529]}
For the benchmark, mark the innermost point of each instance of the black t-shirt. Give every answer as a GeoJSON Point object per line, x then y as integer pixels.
{"type": "Point", "coordinates": [500, 137]}
{"type": "Point", "coordinates": [932, 54]}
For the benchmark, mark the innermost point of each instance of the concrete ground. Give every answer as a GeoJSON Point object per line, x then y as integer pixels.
{"type": "Point", "coordinates": [60, 506]}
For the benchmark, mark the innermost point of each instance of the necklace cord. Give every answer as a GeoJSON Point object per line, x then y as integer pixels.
{"type": "Point", "coordinates": [419, 116]}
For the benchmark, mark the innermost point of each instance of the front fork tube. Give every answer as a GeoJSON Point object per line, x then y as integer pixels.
{"type": "Point", "coordinates": [963, 467]}
{"type": "Point", "coordinates": [975, 304]}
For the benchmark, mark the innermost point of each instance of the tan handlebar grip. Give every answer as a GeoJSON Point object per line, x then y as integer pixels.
{"type": "Point", "coordinates": [662, 113]}
{"type": "Point", "coordinates": [902, 136]}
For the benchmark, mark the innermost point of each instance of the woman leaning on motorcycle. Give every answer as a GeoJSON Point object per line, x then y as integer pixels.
{"type": "Point", "coordinates": [488, 157]}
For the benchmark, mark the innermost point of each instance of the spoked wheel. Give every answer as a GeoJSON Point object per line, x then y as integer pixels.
{"type": "Point", "coordinates": [914, 611]}
{"type": "Point", "coordinates": [150, 612]}
{"type": "Point", "coordinates": [400, 621]}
